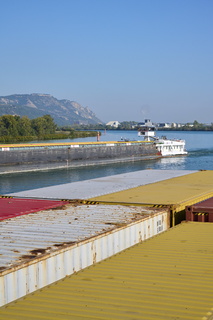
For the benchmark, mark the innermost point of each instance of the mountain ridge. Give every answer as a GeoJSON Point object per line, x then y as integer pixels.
{"type": "Point", "coordinates": [64, 112]}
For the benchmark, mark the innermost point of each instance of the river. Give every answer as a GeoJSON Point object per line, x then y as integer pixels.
{"type": "Point", "coordinates": [198, 144]}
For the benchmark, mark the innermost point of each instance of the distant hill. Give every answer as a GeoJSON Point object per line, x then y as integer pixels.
{"type": "Point", "coordinates": [64, 112]}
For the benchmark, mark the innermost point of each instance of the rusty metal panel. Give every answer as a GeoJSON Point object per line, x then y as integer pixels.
{"type": "Point", "coordinates": [204, 205]}
{"type": "Point", "coordinates": [168, 277]}
{"type": "Point", "coordinates": [102, 186]}
{"type": "Point", "coordinates": [48, 246]}
{"type": "Point", "coordinates": [201, 211]}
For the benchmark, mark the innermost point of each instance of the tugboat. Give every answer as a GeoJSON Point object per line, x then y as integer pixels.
{"type": "Point", "coordinates": [164, 146]}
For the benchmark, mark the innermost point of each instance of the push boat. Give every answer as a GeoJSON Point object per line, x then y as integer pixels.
{"type": "Point", "coordinates": [165, 147]}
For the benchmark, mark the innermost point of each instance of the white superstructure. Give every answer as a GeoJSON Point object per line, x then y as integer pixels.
{"type": "Point", "coordinates": [165, 146]}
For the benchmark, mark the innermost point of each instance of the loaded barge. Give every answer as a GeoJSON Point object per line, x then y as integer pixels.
{"type": "Point", "coordinates": [42, 156]}
{"type": "Point", "coordinates": [38, 156]}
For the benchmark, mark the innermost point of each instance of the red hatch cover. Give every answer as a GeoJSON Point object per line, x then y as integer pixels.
{"type": "Point", "coordinates": [208, 203]}
{"type": "Point", "coordinates": [12, 207]}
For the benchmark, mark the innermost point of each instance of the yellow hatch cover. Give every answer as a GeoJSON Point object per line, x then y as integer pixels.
{"type": "Point", "coordinates": [176, 192]}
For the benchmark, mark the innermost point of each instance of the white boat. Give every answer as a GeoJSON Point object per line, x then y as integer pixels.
{"type": "Point", "coordinates": [165, 147]}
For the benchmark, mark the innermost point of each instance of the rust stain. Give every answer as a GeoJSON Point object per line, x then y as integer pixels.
{"type": "Point", "coordinates": [27, 256]}
{"type": "Point", "coordinates": [116, 224]}
{"type": "Point", "coordinates": [64, 244]}
{"type": "Point", "coordinates": [38, 251]}
{"type": "Point", "coordinates": [2, 268]}
{"type": "Point", "coordinates": [63, 207]}
{"type": "Point", "coordinates": [94, 257]}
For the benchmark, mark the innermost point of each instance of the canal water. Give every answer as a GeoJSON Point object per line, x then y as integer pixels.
{"type": "Point", "coordinates": [198, 144]}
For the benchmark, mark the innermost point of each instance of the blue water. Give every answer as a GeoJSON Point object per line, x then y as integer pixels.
{"type": "Point", "coordinates": [198, 144]}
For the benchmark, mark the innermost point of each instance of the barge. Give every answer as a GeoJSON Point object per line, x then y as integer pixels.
{"type": "Point", "coordinates": [38, 156]}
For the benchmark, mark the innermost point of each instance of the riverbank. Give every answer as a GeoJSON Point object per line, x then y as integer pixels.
{"type": "Point", "coordinates": [54, 136]}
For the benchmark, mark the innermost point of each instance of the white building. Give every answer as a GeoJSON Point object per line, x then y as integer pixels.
{"type": "Point", "coordinates": [114, 124]}
{"type": "Point", "coordinates": [147, 123]}
{"type": "Point", "coordinates": [164, 125]}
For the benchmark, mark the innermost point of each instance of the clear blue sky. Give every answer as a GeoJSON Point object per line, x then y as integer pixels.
{"type": "Point", "coordinates": [124, 59]}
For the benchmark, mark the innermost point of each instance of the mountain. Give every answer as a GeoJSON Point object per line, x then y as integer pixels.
{"type": "Point", "coordinates": [64, 112]}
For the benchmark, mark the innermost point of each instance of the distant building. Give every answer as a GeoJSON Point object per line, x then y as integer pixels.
{"type": "Point", "coordinates": [176, 125]}
{"type": "Point", "coordinates": [147, 123]}
{"type": "Point", "coordinates": [114, 124]}
{"type": "Point", "coordinates": [164, 125]}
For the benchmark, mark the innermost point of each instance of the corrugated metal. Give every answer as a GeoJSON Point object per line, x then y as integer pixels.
{"type": "Point", "coordinates": [39, 249]}
{"type": "Point", "coordinates": [10, 207]}
{"type": "Point", "coordinates": [206, 204]}
{"type": "Point", "coordinates": [167, 277]}
{"type": "Point", "coordinates": [201, 211]}
{"type": "Point", "coordinates": [177, 193]}
{"type": "Point", "coordinates": [100, 186]}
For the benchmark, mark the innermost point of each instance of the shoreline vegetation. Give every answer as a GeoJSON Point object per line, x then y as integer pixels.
{"type": "Point", "coordinates": [132, 125]}
{"type": "Point", "coordinates": [56, 136]}
{"type": "Point", "coordinates": [16, 129]}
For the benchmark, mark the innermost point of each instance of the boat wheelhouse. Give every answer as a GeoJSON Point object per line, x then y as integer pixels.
{"type": "Point", "coordinates": [166, 147]}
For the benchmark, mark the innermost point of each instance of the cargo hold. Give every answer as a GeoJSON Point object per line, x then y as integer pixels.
{"type": "Point", "coordinates": [40, 248]}
{"type": "Point", "coordinates": [201, 211]}
{"type": "Point", "coordinates": [101, 186]}
{"type": "Point", "coordinates": [167, 277]}
{"type": "Point", "coordinates": [11, 207]}
{"type": "Point", "coordinates": [175, 193]}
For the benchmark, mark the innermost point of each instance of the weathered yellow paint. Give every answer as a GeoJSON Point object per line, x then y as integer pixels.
{"type": "Point", "coordinates": [33, 145]}
{"type": "Point", "coordinates": [176, 193]}
{"type": "Point", "coordinates": [167, 277]}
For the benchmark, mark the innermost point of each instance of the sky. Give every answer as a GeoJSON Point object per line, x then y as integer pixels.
{"type": "Point", "coordinates": [127, 60]}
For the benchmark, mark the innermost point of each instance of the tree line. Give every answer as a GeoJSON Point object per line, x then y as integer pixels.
{"type": "Point", "coordinates": [17, 129]}
{"type": "Point", "coordinates": [14, 126]}
{"type": "Point", "coordinates": [133, 125]}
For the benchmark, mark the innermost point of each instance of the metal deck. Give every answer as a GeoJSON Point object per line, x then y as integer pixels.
{"type": "Point", "coordinates": [10, 207]}
{"type": "Point", "coordinates": [40, 248]}
{"type": "Point", "coordinates": [101, 186]}
{"type": "Point", "coordinates": [167, 277]}
{"type": "Point", "coordinates": [175, 193]}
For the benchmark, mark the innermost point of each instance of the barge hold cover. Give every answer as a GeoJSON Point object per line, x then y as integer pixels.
{"type": "Point", "coordinates": [41, 248]}
{"type": "Point", "coordinates": [175, 193]}
{"type": "Point", "coordinates": [11, 207]}
{"type": "Point", "coordinates": [201, 211]}
{"type": "Point", "coordinates": [167, 277]}
{"type": "Point", "coordinates": [101, 186]}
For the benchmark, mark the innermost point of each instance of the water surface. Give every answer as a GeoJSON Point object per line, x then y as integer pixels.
{"type": "Point", "coordinates": [200, 157]}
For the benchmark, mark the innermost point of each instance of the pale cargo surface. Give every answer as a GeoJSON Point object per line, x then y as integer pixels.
{"type": "Point", "coordinates": [178, 191]}
{"type": "Point", "coordinates": [101, 186]}
{"type": "Point", "coordinates": [41, 248]}
{"type": "Point", "coordinates": [167, 277]}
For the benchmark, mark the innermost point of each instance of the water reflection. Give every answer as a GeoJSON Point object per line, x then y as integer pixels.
{"type": "Point", "coordinates": [172, 163]}
{"type": "Point", "coordinates": [31, 180]}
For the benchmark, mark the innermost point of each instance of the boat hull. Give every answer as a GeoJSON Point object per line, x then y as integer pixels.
{"type": "Point", "coordinates": [74, 155]}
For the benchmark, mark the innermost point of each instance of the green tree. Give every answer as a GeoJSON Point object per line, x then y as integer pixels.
{"type": "Point", "coordinates": [43, 125]}
{"type": "Point", "coordinates": [25, 127]}
{"type": "Point", "coordinates": [9, 125]}
{"type": "Point", "coordinates": [49, 125]}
